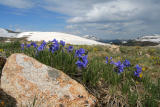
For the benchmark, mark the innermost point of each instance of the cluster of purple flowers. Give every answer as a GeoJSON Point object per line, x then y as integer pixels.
{"type": "Point", "coordinates": [29, 45]}
{"type": "Point", "coordinates": [55, 46]}
{"type": "Point", "coordinates": [127, 63]}
{"type": "Point", "coordinates": [82, 58]}
{"type": "Point", "coordinates": [81, 54]}
{"type": "Point", "coordinates": [119, 66]}
{"type": "Point", "coordinates": [109, 60]}
{"type": "Point", "coordinates": [138, 71]}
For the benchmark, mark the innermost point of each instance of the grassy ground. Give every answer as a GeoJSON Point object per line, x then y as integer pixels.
{"type": "Point", "coordinates": [100, 78]}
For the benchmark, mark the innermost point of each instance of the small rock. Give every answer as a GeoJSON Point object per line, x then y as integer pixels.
{"type": "Point", "coordinates": [148, 55]}
{"type": "Point", "coordinates": [26, 79]}
{"type": "Point", "coordinates": [114, 48]}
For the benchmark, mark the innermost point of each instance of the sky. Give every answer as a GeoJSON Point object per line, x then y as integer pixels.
{"type": "Point", "coordinates": [105, 19]}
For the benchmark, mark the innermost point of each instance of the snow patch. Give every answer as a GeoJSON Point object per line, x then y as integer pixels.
{"type": "Point", "coordinates": [68, 38]}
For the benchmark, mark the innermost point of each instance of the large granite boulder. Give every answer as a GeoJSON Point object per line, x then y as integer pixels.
{"type": "Point", "coordinates": [31, 82]}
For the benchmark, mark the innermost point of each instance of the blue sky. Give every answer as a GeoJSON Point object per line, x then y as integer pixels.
{"type": "Point", "coordinates": [109, 19]}
{"type": "Point", "coordinates": [35, 19]}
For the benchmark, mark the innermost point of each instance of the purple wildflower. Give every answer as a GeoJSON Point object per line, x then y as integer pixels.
{"type": "Point", "coordinates": [109, 60]}
{"type": "Point", "coordinates": [79, 53]}
{"type": "Point", "coordinates": [138, 70]}
{"type": "Point", "coordinates": [85, 61]}
{"type": "Point", "coordinates": [62, 43]}
{"type": "Point", "coordinates": [70, 48]}
{"type": "Point", "coordinates": [126, 63]}
{"type": "Point", "coordinates": [106, 60]}
{"type": "Point", "coordinates": [42, 46]}
{"type": "Point", "coordinates": [22, 46]}
{"type": "Point", "coordinates": [79, 64]}
{"type": "Point", "coordinates": [120, 66]}
{"type": "Point", "coordinates": [54, 47]}
{"type": "Point", "coordinates": [34, 44]}
{"type": "Point", "coordinates": [54, 41]}
{"type": "Point", "coordinates": [28, 45]}
{"type": "Point", "coordinates": [82, 62]}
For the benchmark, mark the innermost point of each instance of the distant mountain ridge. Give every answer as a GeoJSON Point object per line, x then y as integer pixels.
{"type": "Point", "coordinates": [7, 33]}
{"type": "Point", "coordinates": [130, 42]}
{"type": "Point", "coordinates": [11, 31]}
{"type": "Point", "coordinates": [91, 37]}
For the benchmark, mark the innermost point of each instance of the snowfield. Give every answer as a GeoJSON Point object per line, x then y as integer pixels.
{"type": "Point", "coordinates": [49, 36]}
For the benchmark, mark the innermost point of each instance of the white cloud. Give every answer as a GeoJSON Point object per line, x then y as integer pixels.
{"type": "Point", "coordinates": [120, 18]}
{"type": "Point", "coordinates": [17, 3]}
{"type": "Point", "coordinates": [109, 11]}
{"type": "Point", "coordinates": [69, 7]}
